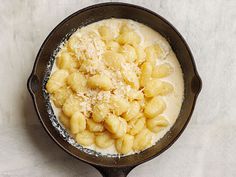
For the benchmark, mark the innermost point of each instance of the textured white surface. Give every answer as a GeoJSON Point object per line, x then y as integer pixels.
{"type": "Point", "coordinates": [206, 149]}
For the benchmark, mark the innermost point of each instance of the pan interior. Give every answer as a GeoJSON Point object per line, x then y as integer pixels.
{"type": "Point", "coordinates": [45, 60]}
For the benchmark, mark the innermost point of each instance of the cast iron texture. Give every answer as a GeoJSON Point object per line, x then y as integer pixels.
{"type": "Point", "coordinates": [106, 165]}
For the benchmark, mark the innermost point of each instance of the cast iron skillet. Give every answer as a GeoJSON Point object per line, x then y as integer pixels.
{"type": "Point", "coordinates": [113, 166]}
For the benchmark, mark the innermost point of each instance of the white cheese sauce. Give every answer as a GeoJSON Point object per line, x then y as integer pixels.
{"type": "Point", "coordinates": [148, 36]}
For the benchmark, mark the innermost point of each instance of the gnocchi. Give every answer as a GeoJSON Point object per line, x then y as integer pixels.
{"type": "Point", "coordinates": [106, 33]}
{"type": "Point", "coordinates": [135, 95]}
{"type": "Point", "coordinates": [136, 125]}
{"type": "Point", "coordinates": [133, 111]}
{"type": "Point", "coordinates": [77, 123]}
{"type": "Point", "coordinates": [129, 53]}
{"type": "Point", "coordinates": [119, 105]}
{"type": "Point", "coordinates": [64, 120]}
{"type": "Point", "coordinates": [66, 61]}
{"type": "Point", "coordinates": [154, 107]}
{"type": "Point", "coordinates": [71, 105]}
{"type": "Point", "coordinates": [72, 44]}
{"type": "Point", "coordinates": [156, 87]}
{"type": "Point", "coordinates": [94, 126]}
{"type": "Point", "coordinates": [115, 125]}
{"type": "Point", "coordinates": [100, 112]}
{"type": "Point", "coordinates": [59, 96]}
{"type": "Point", "coordinates": [153, 52]}
{"type": "Point", "coordinates": [113, 46]}
{"type": "Point", "coordinates": [104, 140]}
{"type": "Point", "coordinates": [131, 78]}
{"type": "Point", "coordinates": [89, 66]}
{"type": "Point", "coordinates": [130, 37]}
{"type": "Point", "coordinates": [101, 82]}
{"type": "Point", "coordinates": [113, 59]}
{"type": "Point", "coordinates": [122, 129]}
{"type": "Point", "coordinates": [77, 82]}
{"type": "Point", "coordinates": [124, 145]}
{"type": "Point", "coordinates": [141, 55]}
{"type": "Point", "coordinates": [110, 89]}
{"type": "Point", "coordinates": [85, 138]}
{"type": "Point", "coordinates": [57, 80]}
{"type": "Point", "coordinates": [146, 73]}
{"type": "Point", "coordinates": [157, 123]}
{"type": "Point", "coordinates": [142, 140]}
{"type": "Point", "coordinates": [125, 28]}
{"type": "Point", "coordinates": [161, 71]}
{"type": "Point", "coordinates": [112, 123]}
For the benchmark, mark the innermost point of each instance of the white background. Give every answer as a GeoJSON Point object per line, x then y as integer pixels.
{"type": "Point", "coordinates": [207, 148]}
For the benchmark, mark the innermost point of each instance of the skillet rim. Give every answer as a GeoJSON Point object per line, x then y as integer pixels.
{"type": "Point", "coordinates": [199, 82]}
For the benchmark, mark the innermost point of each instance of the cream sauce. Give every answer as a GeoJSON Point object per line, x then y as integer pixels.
{"type": "Point", "coordinates": [148, 37]}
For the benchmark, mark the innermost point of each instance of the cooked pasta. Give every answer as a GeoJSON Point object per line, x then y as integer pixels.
{"type": "Point", "coordinates": [115, 84]}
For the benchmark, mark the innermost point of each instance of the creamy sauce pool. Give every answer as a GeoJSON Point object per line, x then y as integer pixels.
{"type": "Point", "coordinates": [173, 101]}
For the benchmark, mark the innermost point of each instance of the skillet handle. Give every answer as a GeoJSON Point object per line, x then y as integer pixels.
{"type": "Point", "coordinates": [196, 84]}
{"type": "Point", "coordinates": [33, 84]}
{"type": "Point", "coordinates": [113, 171]}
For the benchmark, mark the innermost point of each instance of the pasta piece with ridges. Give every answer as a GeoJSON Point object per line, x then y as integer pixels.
{"type": "Point", "coordinates": [119, 105]}
{"type": "Point", "coordinates": [146, 73]}
{"type": "Point", "coordinates": [131, 38]}
{"type": "Point", "coordinates": [59, 96]}
{"type": "Point", "coordinates": [162, 70]}
{"type": "Point", "coordinates": [71, 105]}
{"type": "Point", "coordinates": [156, 87]}
{"type": "Point", "coordinates": [129, 53]}
{"type": "Point", "coordinates": [101, 82]}
{"type": "Point", "coordinates": [154, 107]}
{"type": "Point", "coordinates": [104, 140]}
{"type": "Point", "coordinates": [124, 145]}
{"type": "Point", "coordinates": [113, 59]}
{"type": "Point", "coordinates": [142, 140]}
{"type": "Point", "coordinates": [106, 33]}
{"type": "Point", "coordinates": [94, 126]}
{"type": "Point", "coordinates": [57, 80]}
{"type": "Point", "coordinates": [132, 112]}
{"type": "Point", "coordinates": [66, 61]}
{"type": "Point", "coordinates": [157, 123]}
{"type": "Point", "coordinates": [100, 112]}
{"type": "Point", "coordinates": [77, 82]}
{"type": "Point", "coordinates": [77, 123]}
{"type": "Point", "coordinates": [85, 138]}
{"type": "Point", "coordinates": [136, 125]}
{"type": "Point", "coordinates": [64, 120]}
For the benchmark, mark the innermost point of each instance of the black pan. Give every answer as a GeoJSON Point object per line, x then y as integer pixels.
{"type": "Point", "coordinates": [114, 166]}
